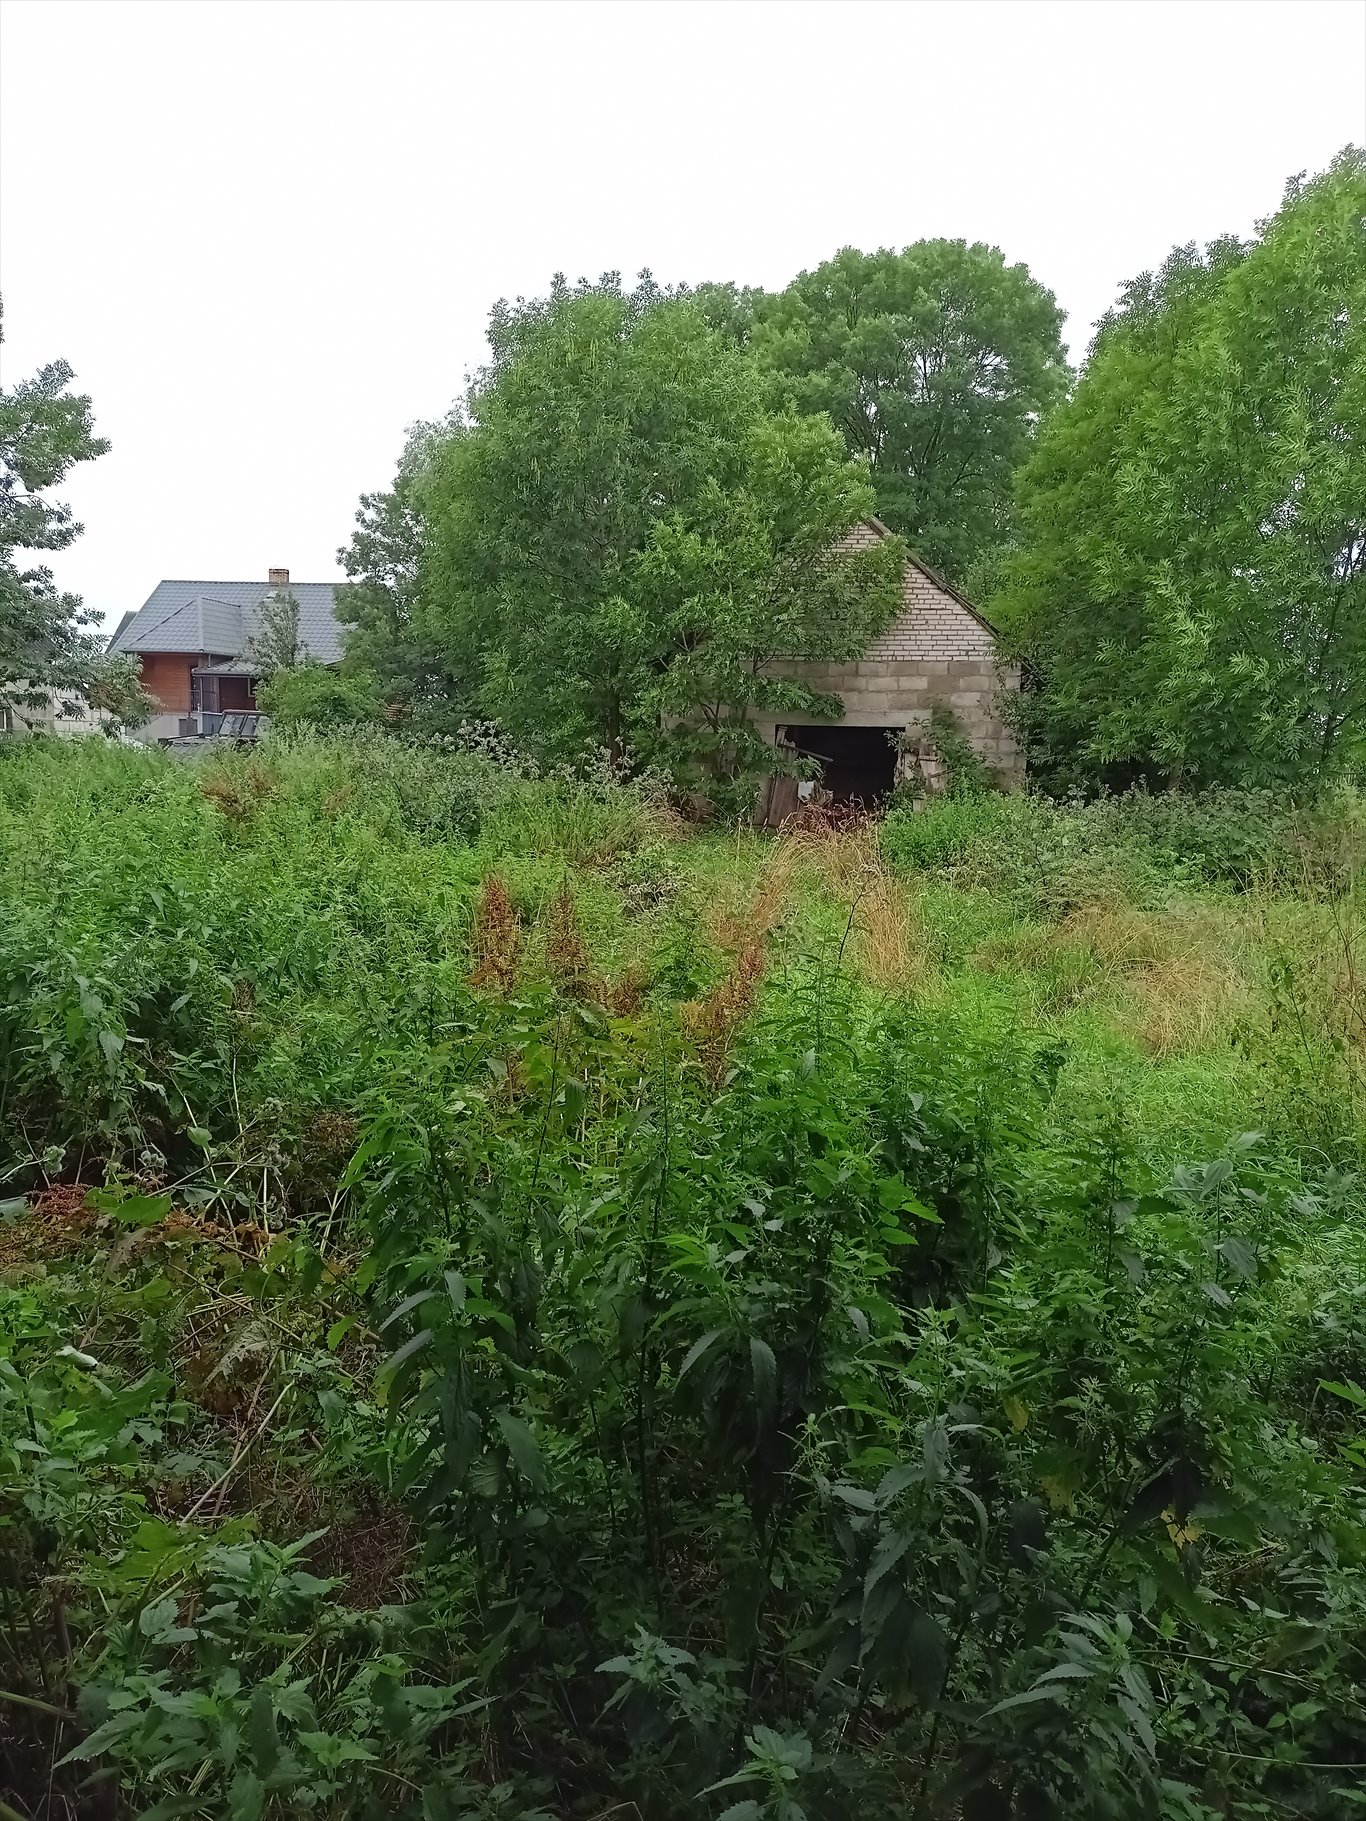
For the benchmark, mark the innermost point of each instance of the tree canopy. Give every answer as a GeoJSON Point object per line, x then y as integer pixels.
{"type": "Point", "coordinates": [394, 636]}
{"type": "Point", "coordinates": [936, 365]}
{"type": "Point", "coordinates": [618, 536]}
{"type": "Point", "coordinates": [1190, 591]}
{"type": "Point", "coordinates": [46, 644]}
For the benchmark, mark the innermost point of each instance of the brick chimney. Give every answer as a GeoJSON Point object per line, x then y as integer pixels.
{"type": "Point", "coordinates": [278, 578]}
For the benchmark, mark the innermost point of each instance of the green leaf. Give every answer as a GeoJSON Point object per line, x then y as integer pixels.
{"type": "Point", "coordinates": [928, 1649]}
{"type": "Point", "coordinates": [263, 1734]}
{"type": "Point", "coordinates": [104, 1736]}
{"type": "Point", "coordinates": [246, 1796]}
{"type": "Point", "coordinates": [697, 1349]}
{"type": "Point", "coordinates": [897, 1479]}
{"type": "Point", "coordinates": [158, 1621]}
{"type": "Point", "coordinates": [141, 1210]}
{"type": "Point", "coordinates": [1241, 1259]}
{"type": "Point", "coordinates": [934, 1445]}
{"type": "Point", "coordinates": [575, 1098]}
{"type": "Point", "coordinates": [885, 1557]}
{"type": "Point", "coordinates": [521, 1445]}
{"type": "Point", "coordinates": [1351, 1392]}
{"type": "Point", "coordinates": [406, 1351]}
{"type": "Point", "coordinates": [765, 1369]}
{"type": "Point", "coordinates": [1024, 1700]}
{"type": "Point", "coordinates": [856, 1496]}
{"type": "Point", "coordinates": [406, 1307]}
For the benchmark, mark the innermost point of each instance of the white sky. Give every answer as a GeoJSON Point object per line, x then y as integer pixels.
{"type": "Point", "coordinates": [267, 233]}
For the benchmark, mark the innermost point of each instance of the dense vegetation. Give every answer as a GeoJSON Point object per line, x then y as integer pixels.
{"type": "Point", "coordinates": [936, 364]}
{"type": "Point", "coordinates": [1190, 587]}
{"type": "Point", "coordinates": [511, 1307]}
{"type": "Point", "coordinates": [47, 642]}
{"type": "Point", "coordinates": [626, 516]}
{"type": "Point", "coordinates": [642, 502]}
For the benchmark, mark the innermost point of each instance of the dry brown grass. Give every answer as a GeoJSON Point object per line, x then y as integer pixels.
{"type": "Point", "coordinates": [1184, 1003]}
{"type": "Point", "coordinates": [624, 996]}
{"type": "Point", "coordinates": [739, 919]}
{"type": "Point", "coordinates": [566, 952]}
{"type": "Point", "coordinates": [888, 947]}
{"type": "Point", "coordinates": [1117, 934]}
{"type": "Point", "coordinates": [845, 863]}
{"type": "Point", "coordinates": [55, 1224]}
{"type": "Point", "coordinates": [1176, 980]}
{"type": "Point", "coordinates": [240, 794]}
{"type": "Point", "coordinates": [842, 861]}
{"type": "Point", "coordinates": [713, 1023]}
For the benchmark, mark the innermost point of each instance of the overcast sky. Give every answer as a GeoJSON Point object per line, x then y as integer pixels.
{"type": "Point", "coordinates": [267, 234]}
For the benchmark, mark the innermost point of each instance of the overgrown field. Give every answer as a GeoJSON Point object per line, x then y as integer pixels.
{"type": "Point", "coordinates": [512, 1307]}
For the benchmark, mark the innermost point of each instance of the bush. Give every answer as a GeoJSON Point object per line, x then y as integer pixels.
{"type": "Point", "coordinates": [1052, 856]}
{"type": "Point", "coordinates": [317, 695]}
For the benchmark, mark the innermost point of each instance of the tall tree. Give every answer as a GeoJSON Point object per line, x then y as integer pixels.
{"type": "Point", "coordinates": [46, 645]}
{"type": "Point", "coordinates": [601, 412]}
{"type": "Point", "coordinates": [754, 577]}
{"type": "Point", "coordinates": [1191, 585]}
{"type": "Point", "coordinates": [274, 646]}
{"type": "Point", "coordinates": [612, 432]}
{"type": "Point", "coordinates": [394, 640]}
{"type": "Point", "coordinates": [936, 364]}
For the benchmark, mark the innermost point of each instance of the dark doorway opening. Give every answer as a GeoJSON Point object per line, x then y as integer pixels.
{"type": "Point", "coordinates": [858, 764]}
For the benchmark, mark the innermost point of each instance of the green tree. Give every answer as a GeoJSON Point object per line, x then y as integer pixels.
{"type": "Point", "coordinates": [1190, 590]}
{"type": "Point", "coordinates": [600, 413]}
{"type": "Point", "coordinates": [317, 695]}
{"type": "Point", "coordinates": [752, 577]}
{"type": "Point", "coordinates": [46, 644]}
{"type": "Point", "coordinates": [936, 364]}
{"type": "Point", "coordinates": [274, 646]}
{"type": "Point", "coordinates": [394, 639]}
{"type": "Point", "coordinates": [618, 490]}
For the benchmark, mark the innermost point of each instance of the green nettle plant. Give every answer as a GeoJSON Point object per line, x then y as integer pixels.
{"type": "Point", "coordinates": [483, 1338]}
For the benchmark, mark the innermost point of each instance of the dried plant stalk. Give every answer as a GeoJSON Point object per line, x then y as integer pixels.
{"type": "Point", "coordinates": [497, 937]}
{"type": "Point", "coordinates": [714, 1022]}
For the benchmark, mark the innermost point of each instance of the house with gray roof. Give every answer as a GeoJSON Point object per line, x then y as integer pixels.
{"type": "Point", "coordinates": [194, 642]}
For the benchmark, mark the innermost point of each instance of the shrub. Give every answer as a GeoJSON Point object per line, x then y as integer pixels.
{"type": "Point", "coordinates": [317, 695]}
{"type": "Point", "coordinates": [1053, 856]}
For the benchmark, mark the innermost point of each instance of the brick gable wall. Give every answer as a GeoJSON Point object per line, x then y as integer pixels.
{"type": "Point", "coordinates": [935, 651]}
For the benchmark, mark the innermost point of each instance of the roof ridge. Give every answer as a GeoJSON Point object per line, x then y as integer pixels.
{"type": "Point", "coordinates": [223, 581]}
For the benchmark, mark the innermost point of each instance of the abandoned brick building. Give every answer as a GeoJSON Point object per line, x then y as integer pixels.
{"type": "Point", "coordinates": [938, 650]}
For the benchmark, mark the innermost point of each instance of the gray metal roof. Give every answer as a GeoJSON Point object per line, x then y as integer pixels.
{"type": "Point", "coordinates": [221, 618]}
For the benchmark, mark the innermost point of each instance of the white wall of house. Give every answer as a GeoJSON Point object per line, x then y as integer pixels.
{"type": "Point", "coordinates": [63, 713]}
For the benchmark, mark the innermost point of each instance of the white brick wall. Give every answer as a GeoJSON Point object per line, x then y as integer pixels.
{"type": "Point", "coordinates": [936, 650]}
